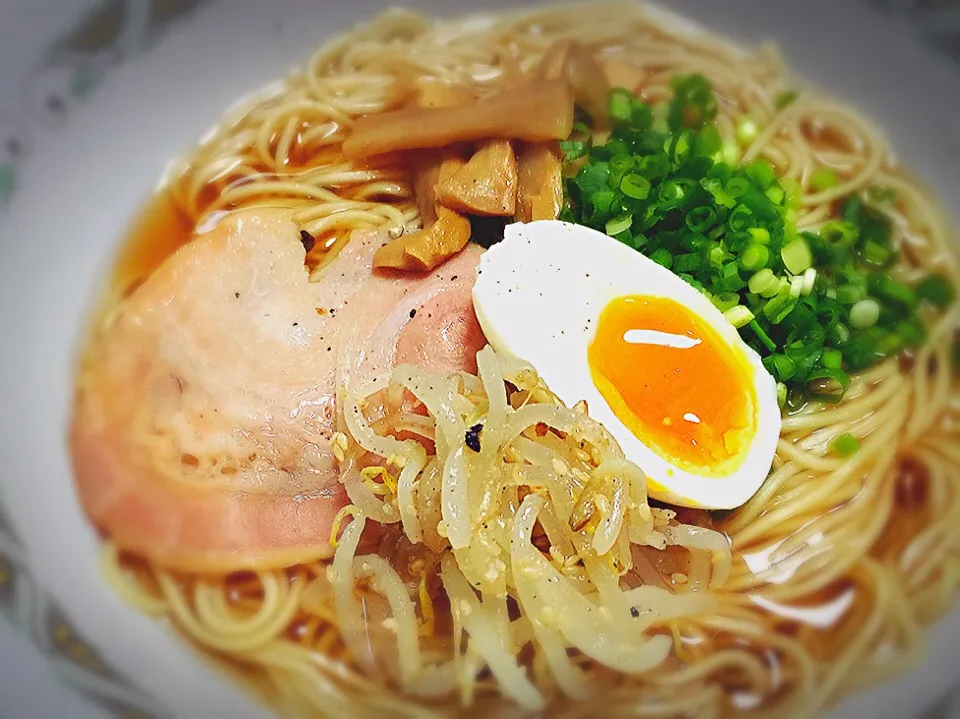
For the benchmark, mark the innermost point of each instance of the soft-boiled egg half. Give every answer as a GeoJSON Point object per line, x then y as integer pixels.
{"type": "Point", "coordinates": [659, 366]}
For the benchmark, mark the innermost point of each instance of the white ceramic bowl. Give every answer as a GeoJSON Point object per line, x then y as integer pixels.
{"type": "Point", "coordinates": [95, 98]}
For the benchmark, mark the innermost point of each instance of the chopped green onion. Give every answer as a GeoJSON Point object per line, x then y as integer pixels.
{"type": "Point", "coordinates": [641, 116]}
{"type": "Point", "coordinates": [741, 218]}
{"type": "Point", "coordinates": [935, 289]}
{"type": "Point", "coordinates": [764, 283]}
{"type": "Point", "coordinates": [777, 309]}
{"type": "Point", "coordinates": [738, 186]}
{"type": "Point", "coordinates": [580, 131]}
{"type": "Point", "coordinates": [862, 349]}
{"type": "Point", "coordinates": [621, 102]}
{"type": "Point", "coordinates": [827, 384]}
{"type": "Point", "coordinates": [635, 186]}
{"type": "Point", "coordinates": [781, 394]}
{"type": "Point", "coordinates": [762, 174]}
{"type": "Point", "coordinates": [870, 223]}
{"type": "Point", "coordinates": [664, 182]}
{"type": "Point", "coordinates": [695, 242]}
{"type": "Point", "coordinates": [604, 201]}
{"type": "Point", "coordinates": [846, 445]}
{"type": "Point", "coordinates": [823, 178]}
{"type": "Point", "coordinates": [701, 219]}
{"type": "Point", "coordinates": [687, 262]}
{"type": "Point", "coordinates": [716, 256]}
{"type": "Point", "coordinates": [876, 254]}
{"type": "Point", "coordinates": [889, 343]}
{"type": "Point", "coordinates": [730, 153]}
{"type": "Point", "coordinates": [746, 129]}
{"type": "Point", "coordinates": [782, 368]}
{"type": "Point", "coordinates": [708, 142]}
{"type": "Point", "coordinates": [835, 232]}
{"type": "Point", "coordinates": [663, 257]}
{"type": "Point", "coordinates": [739, 316]}
{"type": "Point", "coordinates": [672, 193]}
{"type": "Point", "coordinates": [619, 224]}
{"type": "Point", "coordinates": [784, 99]}
{"type": "Point", "coordinates": [573, 149]}
{"type": "Point", "coordinates": [887, 288]}
{"type": "Point", "coordinates": [838, 334]}
{"type": "Point", "coordinates": [726, 301]}
{"type": "Point", "coordinates": [864, 314]}
{"type": "Point", "coordinates": [621, 163]}
{"type": "Point", "coordinates": [849, 294]}
{"type": "Point", "coordinates": [832, 358]}
{"type": "Point", "coordinates": [911, 333]}
{"type": "Point", "coordinates": [693, 103]}
{"type": "Point", "coordinates": [796, 286]}
{"type": "Point", "coordinates": [762, 336]}
{"type": "Point", "coordinates": [730, 277]}
{"type": "Point", "coordinates": [754, 257]}
{"type": "Point", "coordinates": [792, 189]}
{"type": "Point", "coordinates": [797, 256]}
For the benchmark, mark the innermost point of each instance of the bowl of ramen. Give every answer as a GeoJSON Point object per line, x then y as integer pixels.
{"type": "Point", "coordinates": [567, 361]}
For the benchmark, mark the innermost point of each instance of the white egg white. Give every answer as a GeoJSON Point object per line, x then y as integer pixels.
{"type": "Point", "coordinates": [538, 296]}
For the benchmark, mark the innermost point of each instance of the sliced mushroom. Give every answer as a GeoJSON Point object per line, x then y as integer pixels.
{"type": "Point", "coordinates": [424, 250]}
{"type": "Point", "coordinates": [620, 73]}
{"type": "Point", "coordinates": [571, 61]}
{"type": "Point", "coordinates": [535, 111]}
{"type": "Point", "coordinates": [486, 185]}
{"type": "Point", "coordinates": [436, 93]}
{"type": "Point", "coordinates": [539, 182]}
{"type": "Point", "coordinates": [444, 232]}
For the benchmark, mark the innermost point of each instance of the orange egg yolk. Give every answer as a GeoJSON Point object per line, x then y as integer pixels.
{"type": "Point", "coordinates": [674, 382]}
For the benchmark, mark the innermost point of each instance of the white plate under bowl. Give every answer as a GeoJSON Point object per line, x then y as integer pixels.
{"type": "Point", "coordinates": [142, 91]}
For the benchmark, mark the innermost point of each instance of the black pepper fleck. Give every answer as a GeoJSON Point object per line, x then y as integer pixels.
{"type": "Point", "coordinates": [237, 295]}
{"type": "Point", "coordinates": [413, 313]}
{"type": "Point", "coordinates": [472, 437]}
{"type": "Point", "coordinates": [634, 612]}
{"type": "Point", "coordinates": [454, 278]}
{"type": "Point", "coordinates": [295, 324]}
{"type": "Point", "coordinates": [307, 240]}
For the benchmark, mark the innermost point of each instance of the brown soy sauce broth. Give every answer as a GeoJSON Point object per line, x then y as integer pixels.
{"type": "Point", "coordinates": [166, 222]}
{"type": "Point", "coordinates": [157, 232]}
{"type": "Point", "coordinates": [161, 228]}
